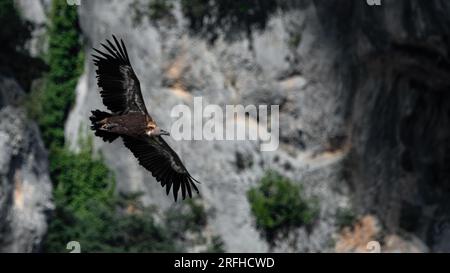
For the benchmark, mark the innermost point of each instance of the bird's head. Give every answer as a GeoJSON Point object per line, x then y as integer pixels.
{"type": "Point", "coordinates": [153, 130]}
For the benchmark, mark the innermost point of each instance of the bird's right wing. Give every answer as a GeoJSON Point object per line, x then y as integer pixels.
{"type": "Point", "coordinates": [155, 155]}
{"type": "Point", "coordinates": [120, 87]}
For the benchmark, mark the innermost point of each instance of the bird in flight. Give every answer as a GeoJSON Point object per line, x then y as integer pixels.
{"type": "Point", "coordinates": [129, 119]}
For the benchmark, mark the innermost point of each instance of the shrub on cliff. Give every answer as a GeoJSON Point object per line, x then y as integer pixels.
{"type": "Point", "coordinates": [65, 59]}
{"type": "Point", "coordinates": [280, 205]}
{"type": "Point", "coordinates": [210, 17]}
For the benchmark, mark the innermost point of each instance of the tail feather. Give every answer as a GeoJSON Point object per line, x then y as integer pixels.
{"type": "Point", "coordinates": [95, 118]}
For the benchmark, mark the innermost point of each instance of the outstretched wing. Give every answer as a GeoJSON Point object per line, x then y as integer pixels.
{"type": "Point", "coordinates": [120, 88]}
{"type": "Point", "coordinates": [155, 155]}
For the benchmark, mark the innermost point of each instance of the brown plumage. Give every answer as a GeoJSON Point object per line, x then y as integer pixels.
{"type": "Point", "coordinates": [121, 93]}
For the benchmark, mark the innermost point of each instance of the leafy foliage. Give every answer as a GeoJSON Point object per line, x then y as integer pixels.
{"type": "Point", "coordinates": [122, 224]}
{"type": "Point", "coordinates": [83, 195]}
{"type": "Point", "coordinates": [81, 178]}
{"type": "Point", "coordinates": [208, 17]}
{"type": "Point", "coordinates": [187, 223]}
{"type": "Point", "coordinates": [294, 40]}
{"type": "Point", "coordinates": [345, 217]}
{"type": "Point", "coordinates": [159, 9]}
{"type": "Point", "coordinates": [65, 59]}
{"type": "Point", "coordinates": [154, 10]}
{"type": "Point", "coordinates": [279, 205]}
{"type": "Point", "coordinates": [102, 222]}
{"type": "Point", "coordinates": [216, 245]}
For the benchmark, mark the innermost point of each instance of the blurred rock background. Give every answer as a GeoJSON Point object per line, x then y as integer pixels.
{"type": "Point", "coordinates": [364, 117]}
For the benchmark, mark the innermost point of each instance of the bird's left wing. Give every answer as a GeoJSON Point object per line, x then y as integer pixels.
{"type": "Point", "coordinates": [120, 87]}
{"type": "Point", "coordinates": [155, 155]}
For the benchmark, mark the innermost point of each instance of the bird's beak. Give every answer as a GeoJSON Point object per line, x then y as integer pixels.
{"type": "Point", "coordinates": [164, 132]}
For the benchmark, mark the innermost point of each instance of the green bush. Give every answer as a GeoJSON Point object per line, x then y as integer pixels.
{"type": "Point", "coordinates": [294, 40]}
{"type": "Point", "coordinates": [194, 220]}
{"type": "Point", "coordinates": [345, 217]}
{"type": "Point", "coordinates": [209, 17]}
{"type": "Point", "coordinates": [108, 226]}
{"type": "Point", "coordinates": [65, 59]}
{"type": "Point", "coordinates": [80, 178]}
{"type": "Point", "coordinates": [84, 198]}
{"type": "Point", "coordinates": [216, 246]}
{"type": "Point", "coordinates": [159, 9]}
{"type": "Point", "coordinates": [279, 205]}
{"type": "Point", "coordinates": [187, 222]}
{"type": "Point", "coordinates": [122, 224]}
{"type": "Point", "coordinates": [154, 10]}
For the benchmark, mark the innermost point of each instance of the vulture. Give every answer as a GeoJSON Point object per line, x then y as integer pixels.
{"type": "Point", "coordinates": [129, 119]}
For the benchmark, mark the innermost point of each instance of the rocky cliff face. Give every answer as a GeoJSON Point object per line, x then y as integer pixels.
{"type": "Point", "coordinates": [174, 66]}
{"type": "Point", "coordinates": [364, 120]}
{"type": "Point", "coordinates": [25, 187]}
{"type": "Point", "coordinates": [394, 65]}
{"type": "Point", "coordinates": [35, 12]}
{"type": "Point", "coordinates": [363, 110]}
